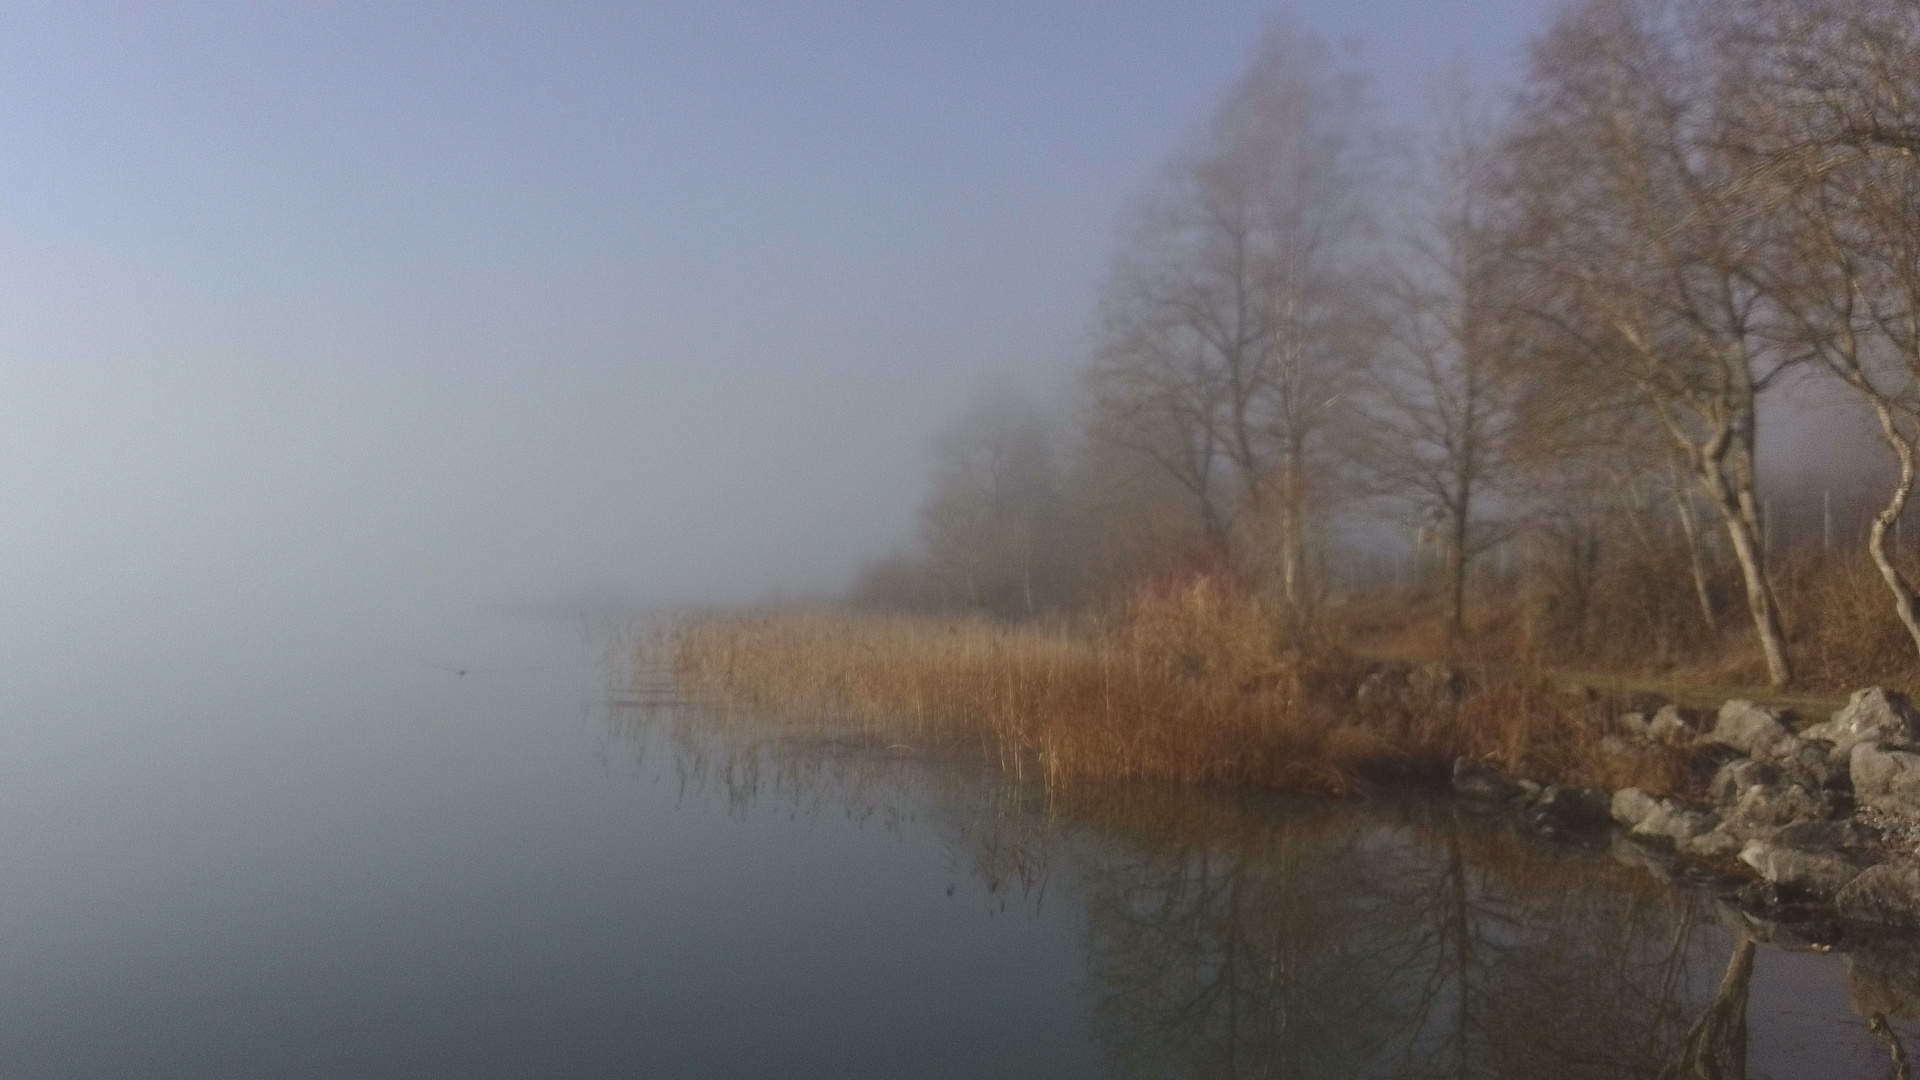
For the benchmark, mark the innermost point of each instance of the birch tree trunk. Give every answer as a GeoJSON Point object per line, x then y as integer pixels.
{"type": "Point", "coordinates": [1731, 490]}
{"type": "Point", "coordinates": [1902, 444]}
{"type": "Point", "coordinates": [1696, 559]}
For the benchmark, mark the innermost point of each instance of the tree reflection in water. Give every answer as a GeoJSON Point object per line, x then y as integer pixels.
{"type": "Point", "coordinates": [1262, 937]}
{"type": "Point", "coordinates": [1716, 1045]}
{"type": "Point", "coordinates": [1322, 940]}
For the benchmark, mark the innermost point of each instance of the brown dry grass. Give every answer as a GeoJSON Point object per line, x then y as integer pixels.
{"type": "Point", "coordinates": [1640, 626]}
{"type": "Point", "coordinates": [1841, 624]}
{"type": "Point", "coordinates": [1187, 684]}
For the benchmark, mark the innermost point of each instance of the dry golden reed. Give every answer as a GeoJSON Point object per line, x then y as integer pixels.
{"type": "Point", "coordinates": [1187, 684]}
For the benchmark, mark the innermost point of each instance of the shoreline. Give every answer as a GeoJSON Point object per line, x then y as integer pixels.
{"type": "Point", "coordinates": [1815, 822]}
{"type": "Point", "coordinates": [1812, 815]}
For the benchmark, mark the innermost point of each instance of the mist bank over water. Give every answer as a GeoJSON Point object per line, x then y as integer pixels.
{"type": "Point", "coordinates": [398, 309]}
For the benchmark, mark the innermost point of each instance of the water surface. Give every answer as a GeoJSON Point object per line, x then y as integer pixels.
{"type": "Point", "coordinates": [341, 862]}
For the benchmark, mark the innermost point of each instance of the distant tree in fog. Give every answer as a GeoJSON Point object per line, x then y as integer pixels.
{"type": "Point", "coordinates": [1437, 423]}
{"type": "Point", "coordinates": [1129, 520]}
{"type": "Point", "coordinates": [1237, 317]}
{"type": "Point", "coordinates": [992, 525]}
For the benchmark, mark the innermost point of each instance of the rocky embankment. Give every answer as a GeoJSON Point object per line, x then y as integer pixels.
{"type": "Point", "coordinates": [1822, 821]}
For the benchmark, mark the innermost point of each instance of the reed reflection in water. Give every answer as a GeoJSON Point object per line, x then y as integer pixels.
{"type": "Point", "coordinates": [1243, 936]}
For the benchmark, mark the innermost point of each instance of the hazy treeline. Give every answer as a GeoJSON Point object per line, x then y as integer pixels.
{"type": "Point", "coordinates": [1534, 341]}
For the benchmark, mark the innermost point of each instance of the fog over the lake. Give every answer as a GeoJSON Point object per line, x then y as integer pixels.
{"type": "Point", "coordinates": [354, 319]}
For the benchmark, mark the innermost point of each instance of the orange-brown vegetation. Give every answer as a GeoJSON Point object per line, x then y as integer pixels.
{"type": "Point", "coordinates": [1636, 620]}
{"type": "Point", "coordinates": [1189, 684]}
{"type": "Point", "coordinates": [1841, 623]}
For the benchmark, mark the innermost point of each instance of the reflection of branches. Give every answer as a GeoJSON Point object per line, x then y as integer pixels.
{"type": "Point", "coordinates": [1229, 936]}
{"type": "Point", "coordinates": [1228, 960]}
{"type": "Point", "coordinates": [1533, 963]}
{"type": "Point", "coordinates": [1339, 942]}
{"type": "Point", "coordinates": [1672, 970]}
{"type": "Point", "coordinates": [1881, 984]}
{"type": "Point", "coordinates": [1716, 1045]}
{"type": "Point", "coordinates": [1896, 1053]}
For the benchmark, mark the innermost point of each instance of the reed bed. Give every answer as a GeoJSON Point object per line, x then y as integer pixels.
{"type": "Point", "coordinates": [1191, 685]}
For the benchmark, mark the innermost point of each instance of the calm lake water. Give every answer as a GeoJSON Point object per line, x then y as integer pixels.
{"type": "Point", "coordinates": [342, 862]}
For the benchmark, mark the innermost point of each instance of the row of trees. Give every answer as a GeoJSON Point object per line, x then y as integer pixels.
{"type": "Point", "coordinates": [1555, 317]}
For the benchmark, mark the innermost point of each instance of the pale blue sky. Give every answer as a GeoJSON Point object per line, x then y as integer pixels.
{"type": "Point", "coordinates": [363, 309]}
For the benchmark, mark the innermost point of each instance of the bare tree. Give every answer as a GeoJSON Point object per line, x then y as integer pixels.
{"type": "Point", "coordinates": [1230, 329]}
{"type": "Point", "coordinates": [1828, 107]}
{"type": "Point", "coordinates": [1636, 228]}
{"type": "Point", "coordinates": [1438, 416]}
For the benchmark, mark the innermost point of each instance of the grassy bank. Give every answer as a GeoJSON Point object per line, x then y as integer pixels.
{"type": "Point", "coordinates": [1186, 685]}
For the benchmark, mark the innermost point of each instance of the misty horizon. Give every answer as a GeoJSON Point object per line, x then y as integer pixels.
{"type": "Point", "coordinates": [410, 309]}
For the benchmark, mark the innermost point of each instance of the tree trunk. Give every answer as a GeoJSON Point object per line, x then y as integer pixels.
{"type": "Point", "coordinates": [1744, 531]}
{"type": "Point", "coordinates": [1888, 517]}
{"type": "Point", "coordinates": [1690, 529]}
{"type": "Point", "coordinates": [1457, 574]}
{"type": "Point", "coordinates": [1290, 559]}
{"type": "Point", "coordinates": [1292, 554]}
{"type": "Point", "coordinates": [1733, 497]}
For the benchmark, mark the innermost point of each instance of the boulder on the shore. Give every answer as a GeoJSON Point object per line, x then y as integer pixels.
{"type": "Point", "coordinates": [1630, 806]}
{"type": "Point", "coordinates": [1809, 764]}
{"type": "Point", "coordinates": [1669, 728]}
{"type": "Point", "coordinates": [1651, 818]}
{"type": "Point", "coordinates": [1751, 729]}
{"type": "Point", "coordinates": [1734, 778]}
{"type": "Point", "coordinates": [1821, 835]}
{"type": "Point", "coordinates": [1819, 871]}
{"type": "Point", "coordinates": [1886, 780]}
{"type": "Point", "coordinates": [1666, 726]}
{"type": "Point", "coordinates": [1887, 895]}
{"type": "Point", "coordinates": [1764, 807]}
{"type": "Point", "coordinates": [1758, 799]}
{"type": "Point", "coordinates": [1810, 822]}
{"type": "Point", "coordinates": [1721, 843]}
{"type": "Point", "coordinates": [1887, 717]}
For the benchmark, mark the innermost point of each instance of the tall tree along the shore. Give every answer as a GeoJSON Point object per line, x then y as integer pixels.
{"type": "Point", "coordinates": [1634, 221]}
{"type": "Point", "coordinates": [1237, 318]}
{"type": "Point", "coordinates": [1436, 413]}
{"type": "Point", "coordinates": [1826, 102]}
{"type": "Point", "coordinates": [1571, 342]}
